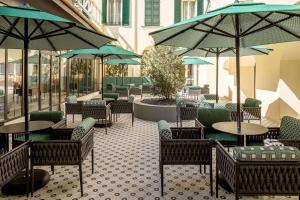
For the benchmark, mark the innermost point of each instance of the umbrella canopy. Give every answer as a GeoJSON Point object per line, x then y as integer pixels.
{"type": "Point", "coordinates": [106, 51]}
{"type": "Point", "coordinates": [25, 27]}
{"type": "Point", "coordinates": [122, 62]}
{"type": "Point", "coordinates": [223, 52]}
{"type": "Point", "coordinates": [236, 25]}
{"type": "Point", "coordinates": [194, 61]}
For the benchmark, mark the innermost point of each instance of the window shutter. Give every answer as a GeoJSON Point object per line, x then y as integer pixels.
{"type": "Point", "coordinates": [155, 12]}
{"type": "Point", "coordinates": [126, 10]}
{"type": "Point", "coordinates": [148, 12]}
{"type": "Point", "coordinates": [177, 11]}
{"type": "Point", "coordinates": [200, 7]}
{"type": "Point", "coordinates": [104, 8]}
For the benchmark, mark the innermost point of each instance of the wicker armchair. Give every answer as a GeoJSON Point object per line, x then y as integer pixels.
{"type": "Point", "coordinates": [67, 147]}
{"type": "Point", "coordinates": [252, 109]}
{"type": "Point", "coordinates": [184, 111]}
{"type": "Point", "coordinates": [72, 107]}
{"type": "Point", "coordinates": [206, 117]}
{"type": "Point", "coordinates": [288, 133]}
{"type": "Point", "coordinates": [98, 110]}
{"type": "Point", "coordinates": [257, 177]}
{"type": "Point", "coordinates": [13, 163]}
{"type": "Point", "coordinates": [185, 147]}
{"type": "Point", "coordinates": [122, 106]}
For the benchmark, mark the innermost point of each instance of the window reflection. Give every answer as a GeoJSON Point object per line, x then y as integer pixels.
{"type": "Point", "coordinates": [45, 79]}
{"type": "Point", "coordinates": [33, 81]}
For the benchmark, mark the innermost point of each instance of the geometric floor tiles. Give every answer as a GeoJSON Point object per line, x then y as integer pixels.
{"type": "Point", "coordinates": [126, 168]}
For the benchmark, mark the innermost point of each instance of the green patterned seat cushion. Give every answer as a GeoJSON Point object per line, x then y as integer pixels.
{"type": "Point", "coordinates": [82, 128]}
{"type": "Point", "coordinates": [209, 116]}
{"type": "Point", "coordinates": [289, 128]}
{"type": "Point", "coordinates": [111, 95]}
{"type": "Point", "coordinates": [250, 102]}
{"type": "Point", "coordinates": [53, 116]}
{"type": "Point", "coordinates": [131, 99]}
{"type": "Point", "coordinates": [221, 136]}
{"type": "Point", "coordinates": [35, 137]}
{"type": "Point", "coordinates": [262, 153]}
{"type": "Point", "coordinates": [210, 96]}
{"type": "Point", "coordinates": [95, 102]}
{"type": "Point", "coordinates": [164, 129]}
{"type": "Point", "coordinates": [71, 99]}
{"type": "Point", "coordinates": [219, 106]}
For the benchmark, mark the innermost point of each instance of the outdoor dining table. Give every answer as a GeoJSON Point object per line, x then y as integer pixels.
{"type": "Point", "coordinates": [246, 129]}
{"type": "Point", "coordinates": [41, 177]}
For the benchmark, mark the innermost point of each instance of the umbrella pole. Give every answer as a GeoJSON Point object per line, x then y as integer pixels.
{"type": "Point", "coordinates": [102, 76]}
{"type": "Point", "coordinates": [122, 74]}
{"type": "Point", "coordinates": [217, 76]}
{"type": "Point", "coordinates": [25, 78]}
{"type": "Point", "coordinates": [237, 47]}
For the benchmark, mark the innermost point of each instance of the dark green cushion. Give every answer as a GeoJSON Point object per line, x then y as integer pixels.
{"type": "Point", "coordinates": [220, 106]}
{"type": "Point", "coordinates": [111, 95]}
{"type": "Point", "coordinates": [221, 136]}
{"type": "Point", "coordinates": [262, 153]}
{"type": "Point", "coordinates": [250, 102]}
{"type": "Point", "coordinates": [194, 87]}
{"type": "Point", "coordinates": [289, 128]}
{"type": "Point", "coordinates": [164, 129]}
{"type": "Point", "coordinates": [1, 92]}
{"type": "Point", "coordinates": [53, 116]}
{"type": "Point", "coordinates": [121, 88]}
{"type": "Point", "coordinates": [34, 137]}
{"type": "Point", "coordinates": [209, 116]}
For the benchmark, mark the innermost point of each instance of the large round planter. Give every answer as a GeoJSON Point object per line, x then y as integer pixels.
{"type": "Point", "coordinates": [154, 112]}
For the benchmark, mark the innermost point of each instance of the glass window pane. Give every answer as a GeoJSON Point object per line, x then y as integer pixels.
{"type": "Point", "coordinates": [64, 77]}
{"type": "Point", "coordinates": [14, 69]}
{"type": "Point", "coordinates": [33, 72]}
{"type": "Point", "coordinates": [114, 12]}
{"type": "Point", "coordinates": [55, 79]}
{"type": "Point", "coordinates": [2, 83]}
{"type": "Point", "coordinates": [45, 79]}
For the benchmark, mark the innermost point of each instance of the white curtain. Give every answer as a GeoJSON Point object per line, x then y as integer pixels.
{"type": "Point", "coordinates": [114, 12]}
{"type": "Point", "coordinates": [188, 9]}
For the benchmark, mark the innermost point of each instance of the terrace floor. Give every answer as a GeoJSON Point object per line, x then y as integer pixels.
{"type": "Point", "coordinates": [126, 168]}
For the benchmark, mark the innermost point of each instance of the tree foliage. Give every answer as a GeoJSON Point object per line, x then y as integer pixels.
{"type": "Point", "coordinates": [116, 70]}
{"type": "Point", "coordinates": [162, 65]}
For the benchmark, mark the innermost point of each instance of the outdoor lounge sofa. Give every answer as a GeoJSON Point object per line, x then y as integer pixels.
{"type": "Point", "coordinates": [54, 116]}
{"type": "Point", "coordinates": [183, 146]}
{"type": "Point", "coordinates": [288, 133]}
{"type": "Point", "coordinates": [67, 146]}
{"type": "Point", "coordinates": [72, 106]}
{"type": "Point", "coordinates": [122, 107]}
{"type": "Point", "coordinates": [259, 170]}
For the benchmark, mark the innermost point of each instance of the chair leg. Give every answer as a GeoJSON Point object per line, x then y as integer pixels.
{"type": "Point", "coordinates": [211, 180]}
{"type": "Point", "coordinates": [132, 118]}
{"type": "Point", "coordinates": [80, 178]}
{"type": "Point", "coordinates": [52, 169]}
{"type": "Point", "coordinates": [204, 169]}
{"type": "Point", "coordinates": [236, 196]}
{"type": "Point", "coordinates": [27, 180]}
{"type": "Point", "coordinates": [73, 118]}
{"type": "Point", "coordinates": [180, 123]}
{"type": "Point", "coordinates": [217, 182]}
{"type": "Point", "coordinates": [200, 169]}
{"type": "Point", "coordinates": [162, 179]}
{"type": "Point", "coordinates": [32, 180]}
{"type": "Point", "coordinates": [92, 160]}
{"type": "Point", "coordinates": [105, 126]}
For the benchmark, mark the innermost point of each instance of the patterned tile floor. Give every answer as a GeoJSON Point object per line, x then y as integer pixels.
{"type": "Point", "coordinates": [126, 168]}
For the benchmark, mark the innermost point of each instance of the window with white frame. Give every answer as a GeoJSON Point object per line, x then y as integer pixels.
{"type": "Point", "coordinates": [114, 12]}
{"type": "Point", "coordinates": [188, 9]}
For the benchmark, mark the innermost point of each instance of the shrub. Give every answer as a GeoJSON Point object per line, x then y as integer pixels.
{"type": "Point", "coordinates": [162, 65]}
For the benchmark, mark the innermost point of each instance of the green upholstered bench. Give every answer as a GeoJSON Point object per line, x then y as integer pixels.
{"type": "Point", "coordinates": [114, 96]}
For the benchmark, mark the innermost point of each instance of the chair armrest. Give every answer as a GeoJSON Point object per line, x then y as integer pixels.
{"type": "Point", "coordinates": [225, 164]}
{"type": "Point", "coordinates": [186, 133]}
{"type": "Point", "coordinates": [87, 143]}
{"type": "Point", "coordinates": [59, 124]}
{"type": "Point", "coordinates": [186, 151]}
{"type": "Point", "coordinates": [200, 125]}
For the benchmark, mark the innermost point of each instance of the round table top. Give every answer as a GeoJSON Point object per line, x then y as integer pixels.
{"type": "Point", "coordinates": [246, 128]}
{"type": "Point", "coordinates": [20, 127]}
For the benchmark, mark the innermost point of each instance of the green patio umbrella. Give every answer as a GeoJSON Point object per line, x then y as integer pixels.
{"type": "Point", "coordinates": [189, 60]}
{"type": "Point", "coordinates": [122, 62]}
{"type": "Point", "coordinates": [25, 27]}
{"type": "Point", "coordinates": [237, 25]}
{"type": "Point", "coordinates": [106, 51]}
{"type": "Point", "coordinates": [224, 52]}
